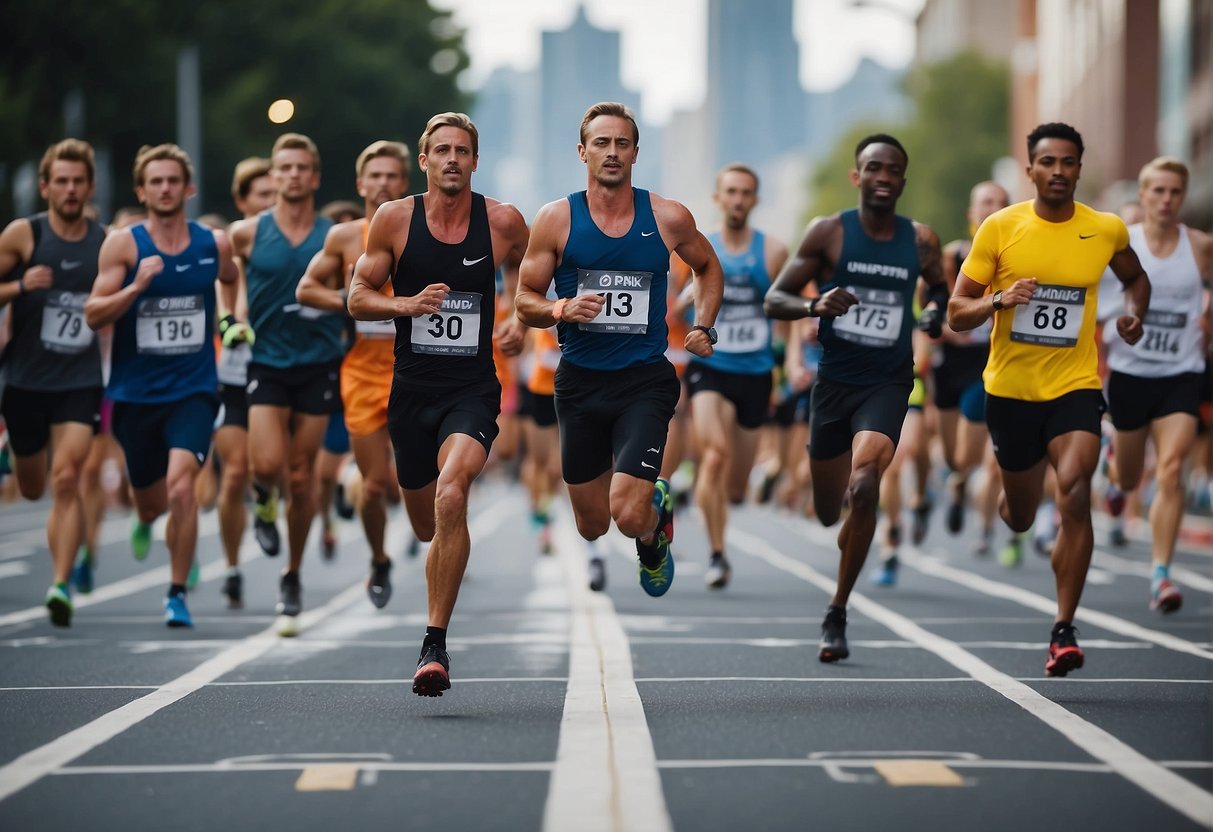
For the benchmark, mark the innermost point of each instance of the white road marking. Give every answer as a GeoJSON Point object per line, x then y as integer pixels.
{"type": "Point", "coordinates": [605, 776]}
{"type": "Point", "coordinates": [34, 765]}
{"type": "Point", "coordinates": [13, 570]}
{"type": "Point", "coordinates": [880, 644]}
{"type": "Point", "coordinates": [1186, 578]}
{"type": "Point", "coordinates": [960, 762]}
{"type": "Point", "coordinates": [220, 768]}
{"type": "Point", "coordinates": [1166, 786]}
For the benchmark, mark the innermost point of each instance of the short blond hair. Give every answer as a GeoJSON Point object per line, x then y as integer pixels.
{"type": "Point", "coordinates": [248, 171]}
{"type": "Point", "coordinates": [392, 150]}
{"type": "Point", "coordinates": [1168, 164]}
{"type": "Point", "coordinates": [163, 152]}
{"type": "Point", "coordinates": [460, 120]}
{"type": "Point", "coordinates": [737, 167]}
{"type": "Point", "coordinates": [68, 150]}
{"type": "Point", "coordinates": [296, 141]}
{"type": "Point", "coordinates": [610, 108]}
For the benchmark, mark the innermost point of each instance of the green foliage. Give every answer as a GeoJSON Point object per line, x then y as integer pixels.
{"type": "Point", "coordinates": [957, 131]}
{"type": "Point", "coordinates": [357, 71]}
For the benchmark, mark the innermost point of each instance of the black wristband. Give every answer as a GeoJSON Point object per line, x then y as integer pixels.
{"type": "Point", "coordinates": [21, 286]}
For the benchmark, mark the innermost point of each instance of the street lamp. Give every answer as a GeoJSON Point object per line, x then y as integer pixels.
{"type": "Point", "coordinates": [281, 111]}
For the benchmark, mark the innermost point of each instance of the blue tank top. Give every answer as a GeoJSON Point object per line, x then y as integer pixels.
{"type": "Point", "coordinates": [631, 271]}
{"type": "Point", "coordinates": [871, 343]}
{"type": "Point", "coordinates": [163, 346]}
{"type": "Point", "coordinates": [743, 331]}
{"type": "Point", "coordinates": [288, 334]}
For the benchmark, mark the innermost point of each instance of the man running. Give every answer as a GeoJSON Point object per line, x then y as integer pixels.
{"type": "Point", "coordinates": [441, 250]}
{"type": "Point", "coordinates": [608, 249]}
{"type": "Point", "coordinates": [292, 379]}
{"type": "Point", "coordinates": [1035, 267]}
{"type": "Point", "coordinates": [382, 172]}
{"type": "Point", "coordinates": [52, 365]}
{"type": "Point", "coordinates": [156, 284]}
{"type": "Point", "coordinates": [866, 263]}
{"type": "Point", "coordinates": [731, 389]}
{"type": "Point", "coordinates": [1154, 385]}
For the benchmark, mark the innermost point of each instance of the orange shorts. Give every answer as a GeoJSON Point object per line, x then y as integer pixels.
{"type": "Point", "coordinates": [366, 386]}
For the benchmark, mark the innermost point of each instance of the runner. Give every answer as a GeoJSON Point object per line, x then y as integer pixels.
{"type": "Point", "coordinates": [1041, 261]}
{"type": "Point", "coordinates": [867, 263]}
{"type": "Point", "coordinates": [156, 285]}
{"type": "Point", "coordinates": [541, 467]}
{"type": "Point", "coordinates": [1154, 386]}
{"type": "Point", "coordinates": [440, 249]}
{"type": "Point", "coordinates": [382, 175]}
{"type": "Point", "coordinates": [292, 379]}
{"type": "Point", "coordinates": [608, 250]}
{"type": "Point", "coordinates": [51, 393]}
{"type": "Point", "coordinates": [731, 389]}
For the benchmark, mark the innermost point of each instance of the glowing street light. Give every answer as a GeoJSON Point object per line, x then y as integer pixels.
{"type": "Point", "coordinates": [281, 111]}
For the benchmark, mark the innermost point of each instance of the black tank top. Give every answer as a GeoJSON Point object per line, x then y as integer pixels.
{"type": "Point", "coordinates": [52, 347]}
{"type": "Point", "coordinates": [454, 347]}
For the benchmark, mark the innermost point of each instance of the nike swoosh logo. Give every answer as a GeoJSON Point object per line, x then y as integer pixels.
{"type": "Point", "coordinates": [468, 262]}
{"type": "Point", "coordinates": [654, 450]}
{"type": "Point", "coordinates": [646, 465]}
{"type": "Point", "coordinates": [647, 233]}
{"type": "Point", "coordinates": [183, 266]}
{"type": "Point", "coordinates": [68, 265]}
{"type": "Point", "coordinates": [1085, 236]}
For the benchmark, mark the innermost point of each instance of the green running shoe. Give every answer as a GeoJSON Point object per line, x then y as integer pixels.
{"type": "Point", "coordinates": [1011, 555]}
{"type": "Point", "coordinates": [141, 539]}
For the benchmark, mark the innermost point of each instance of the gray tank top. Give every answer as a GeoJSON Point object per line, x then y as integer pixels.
{"type": "Point", "coordinates": [52, 347]}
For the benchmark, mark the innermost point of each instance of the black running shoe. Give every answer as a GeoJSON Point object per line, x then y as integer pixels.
{"type": "Point", "coordinates": [719, 572]}
{"type": "Point", "coordinates": [921, 522]}
{"type": "Point", "coordinates": [266, 534]}
{"type": "Point", "coordinates": [597, 574]}
{"type": "Point", "coordinates": [233, 590]}
{"type": "Point", "coordinates": [1064, 653]}
{"type": "Point", "coordinates": [433, 672]}
{"type": "Point", "coordinates": [290, 595]}
{"type": "Point", "coordinates": [956, 517]}
{"type": "Point", "coordinates": [343, 507]}
{"type": "Point", "coordinates": [834, 636]}
{"type": "Point", "coordinates": [379, 586]}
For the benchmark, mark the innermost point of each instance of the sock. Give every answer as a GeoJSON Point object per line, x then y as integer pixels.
{"type": "Point", "coordinates": [1162, 572]}
{"type": "Point", "coordinates": [1059, 626]}
{"type": "Point", "coordinates": [718, 555]}
{"type": "Point", "coordinates": [434, 637]}
{"type": "Point", "coordinates": [837, 612]}
{"type": "Point", "coordinates": [62, 585]}
{"type": "Point", "coordinates": [233, 570]}
{"type": "Point", "coordinates": [176, 589]}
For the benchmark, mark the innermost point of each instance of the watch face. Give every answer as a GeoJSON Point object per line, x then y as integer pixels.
{"type": "Point", "coordinates": [711, 333]}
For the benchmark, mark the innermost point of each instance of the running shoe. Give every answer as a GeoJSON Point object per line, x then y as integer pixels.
{"type": "Point", "coordinates": [956, 517]}
{"type": "Point", "coordinates": [719, 572]}
{"type": "Point", "coordinates": [59, 605]}
{"type": "Point", "coordinates": [1114, 500]}
{"type": "Point", "coordinates": [886, 573]}
{"type": "Point", "coordinates": [176, 613]}
{"type": "Point", "coordinates": [656, 580]}
{"type": "Point", "coordinates": [983, 543]}
{"type": "Point", "coordinates": [545, 538]}
{"type": "Point", "coordinates": [1165, 597]}
{"type": "Point", "coordinates": [834, 636]}
{"type": "Point", "coordinates": [1064, 652]}
{"type": "Point", "coordinates": [265, 525]}
{"type": "Point", "coordinates": [414, 546]}
{"type": "Point", "coordinates": [1044, 545]}
{"type": "Point", "coordinates": [233, 590]}
{"type": "Point", "coordinates": [597, 574]}
{"type": "Point", "coordinates": [433, 672]}
{"type": "Point", "coordinates": [191, 580]}
{"type": "Point", "coordinates": [328, 540]}
{"type": "Point", "coordinates": [290, 595]}
{"type": "Point", "coordinates": [141, 539]}
{"type": "Point", "coordinates": [82, 572]}
{"type": "Point", "coordinates": [921, 522]}
{"type": "Point", "coordinates": [1011, 555]}
{"type": "Point", "coordinates": [1116, 536]}
{"type": "Point", "coordinates": [341, 505]}
{"type": "Point", "coordinates": [379, 585]}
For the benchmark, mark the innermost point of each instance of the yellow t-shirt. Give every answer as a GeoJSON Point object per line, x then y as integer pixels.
{"type": "Point", "coordinates": [1045, 348]}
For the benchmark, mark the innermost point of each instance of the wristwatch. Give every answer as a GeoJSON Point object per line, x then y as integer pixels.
{"type": "Point", "coordinates": [810, 307]}
{"type": "Point", "coordinates": [998, 300]}
{"type": "Point", "coordinates": [709, 331]}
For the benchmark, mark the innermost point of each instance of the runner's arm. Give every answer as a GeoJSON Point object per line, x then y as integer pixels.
{"type": "Point", "coordinates": [784, 299]}
{"type": "Point", "coordinates": [1132, 276]}
{"type": "Point", "coordinates": [538, 267]}
{"type": "Point", "coordinates": [16, 247]}
{"type": "Point", "coordinates": [323, 273]}
{"type": "Point", "coordinates": [109, 299]}
{"type": "Point", "coordinates": [374, 268]}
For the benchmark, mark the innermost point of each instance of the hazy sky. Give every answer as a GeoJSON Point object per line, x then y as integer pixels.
{"type": "Point", "coordinates": [664, 40]}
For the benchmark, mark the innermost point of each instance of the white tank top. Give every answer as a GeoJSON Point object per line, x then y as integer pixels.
{"type": "Point", "coordinates": [1171, 343]}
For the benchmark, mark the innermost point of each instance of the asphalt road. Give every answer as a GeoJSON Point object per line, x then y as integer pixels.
{"type": "Point", "coordinates": [572, 710]}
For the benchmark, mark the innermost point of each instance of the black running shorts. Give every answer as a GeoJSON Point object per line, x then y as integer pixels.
{"type": "Point", "coordinates": [1135, 402]}
{"type": "Point", "coordinates": [147, 432]}
{"type": "Point", "coordinates": [29, 414]}
{"type": "Point", "coordinates": [839, 411]}
{"type": "Point", "coordinates": [314, 389]}
{"type": "Point", "coordinates": [419, 421]}
{"type": "Point", "coordinates": [1021, 431]}
{"type": "Point", "coordinates": [749, 393]}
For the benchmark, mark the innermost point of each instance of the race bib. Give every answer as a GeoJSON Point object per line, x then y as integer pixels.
{"type": "Point", "coordinates": [1052, 318]}
{"type": "Point", "coordinates": [452, 330]}
{"type": "Point", "coordinates": [376, 330]}
{"type": "Point", "coordinates": [626, 295]}
{"type": "Point", "coordinates": [63, 326]}
{"type": "Point", "coordinates": [873, 322]}
{"type": "Point", "coordinates": [742, 328]}
{"type": "Point", "coordinates": [170, 325]}
{"type": "Point", "coordinates": [233, 365]}
{"type": "Point", "coordinates": [1161, 335]}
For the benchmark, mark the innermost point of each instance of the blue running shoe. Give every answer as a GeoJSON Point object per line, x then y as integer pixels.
{"type": "Point", "coordinates": [176, 613]}
{"type": "Point", "coordinates": [82, 572]}
{"type": "Point", "coordinates": [141, 539]}
{"type": "Point", "coordinates": [656, 579]}
{"type": "Point", "coordinates": [886, 573]}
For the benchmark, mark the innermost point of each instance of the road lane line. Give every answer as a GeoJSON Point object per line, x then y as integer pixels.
{"type": "Point", "coordinates": [605, 778]}
{"type": "Point", "coordinates": [327, 777]}
{"type": "Point", "coordinates": [1166, 786]}
{"type": "Point", "coordinates": [1186, 578]}
{"type": "Point", "coordinates": [935, 773]}
{"type": "Point", "coordinates": [34, 765]}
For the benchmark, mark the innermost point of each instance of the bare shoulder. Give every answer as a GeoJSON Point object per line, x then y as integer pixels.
{"type": "Point", "coordinates": [504, 217]}
{"type": "Point", "coordinates": [671, 214]}
{"type": "Point", "coordinates": [18, 238]}
{"type": "Point", "coordinates": [243, 232]}
{"type": "Point", "coordinates": [553, 218]}
{"type": "Point", "coordinates": [924, 233]}
{"type": "Point", "coordinates": [822, 231]}
{"type": "Point", "coordinates": [119, 244]}
{"type": "Point", "coordinates": [1202, 243]}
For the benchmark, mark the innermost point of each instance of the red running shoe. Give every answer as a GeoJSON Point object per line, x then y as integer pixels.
{"type": "Point", "coordinates": [1064, 653]}
{"type": "Point", "coordinates": [433, 672]}
{"type": "Point", "coordinates": [1166, 597]}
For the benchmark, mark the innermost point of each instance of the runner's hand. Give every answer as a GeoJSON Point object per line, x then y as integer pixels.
{"type": "Point", "coordinates": [931, 322]}
{"type": "Point", "coordinates": [234, 332]}
{"type": "Point", "coordinates": [510, 335]}
{"type": "Point", "coordinates": [37, 277]}
{"type": "Point", "coordinates": [1021, 292]}
{"type": "Point", "coordinates": [581, 309]}
{"type": "Point", "coordinates": [698, 343]}
{"type": "Point", "coordinates": [427, 301]}
{"type": "Point", "coordinates": [149, 267]}
{"type": "Point", "coordinates": [834, 303]}
{"type": "Point", "coordinates": [1129, 327]}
